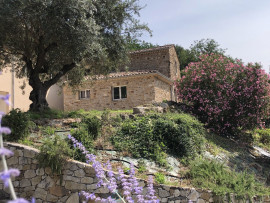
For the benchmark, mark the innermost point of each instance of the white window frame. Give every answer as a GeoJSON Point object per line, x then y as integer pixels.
{"type": "Point", "coordinates": [85, 93]}
{"type": "Point", "coordinates": [120, 93]}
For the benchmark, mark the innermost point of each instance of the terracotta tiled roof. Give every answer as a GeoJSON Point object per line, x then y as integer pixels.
{"type": "Point", "coordinates": [153, 49]}
{"type": "Point", "coordinates": [127, 74]}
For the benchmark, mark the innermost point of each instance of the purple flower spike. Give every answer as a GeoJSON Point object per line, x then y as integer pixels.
{"type": "Point", "coordinates": [5, 176]}
{"type": "Point", "coordinates": [5, 130]}
{"type": "Point", "coordinates": [6, 152]}
{"type": "Point", "coordinates": [20, 200]}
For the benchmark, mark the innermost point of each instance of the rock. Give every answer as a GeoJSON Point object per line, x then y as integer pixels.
{"type": "Point", "coordinates": [40, 171]}
{"type": "Point", "coordinates": [163, 193]}
{"type": "Point", "coordinates": [29, 153]}
{"type": "Point", "coordinates": [25, 183]}
{"type": "Point", "coordinates": [193, 196]}
{"type": "Point", "coordinates": [87, 180]}
{"type": "Point", "coordinates": [58, 191]}
{"type": "Point", "coordinates": [74, 198]}
{"type": "Point", "coordinates": [40, 193]}
{"type": "Point", "coordinates": [79, 173]}
{"type": "Point", "coordinates": [36, 180]}
{"type": "Point", "coordinates": [206, 196]}
{"type": "Point", "coordinates": [29, 174]}
{"type": "Point", "coordinates": [200, 201]}
{"type": "Point", "coordinates": [51, 198]}
{"type": "Point", "coordinates": [70, 185]}
{"type": "Point", "coordinates": [139, 110]}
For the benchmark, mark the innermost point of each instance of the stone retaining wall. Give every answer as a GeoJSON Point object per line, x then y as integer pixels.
{"type": "Point", "coordinates": [46, 187]}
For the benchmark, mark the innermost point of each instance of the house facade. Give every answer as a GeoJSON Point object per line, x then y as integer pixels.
{"type": "Point", "coordinates": [149, 77]}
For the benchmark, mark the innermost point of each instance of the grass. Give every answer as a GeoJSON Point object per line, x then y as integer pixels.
{"type": "Point", "coordinates": [58, 114]}
{"type": "Point", "coordinates": [222, 181]}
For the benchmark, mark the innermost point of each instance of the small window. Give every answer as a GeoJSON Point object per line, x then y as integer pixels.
{"type": "Point", "coordinates": [119, 92]}
{"type": "Point", "coordinates": [84, 94]}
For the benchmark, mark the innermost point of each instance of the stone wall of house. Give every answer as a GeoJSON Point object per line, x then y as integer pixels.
{"type": "Point", "coordinates": [163, 91]}
{"type": "Point", "coordinates": [152, 59]}
{"type": "Point", "coordinates": [174, 64]}
{"type": "Point", "coordinates": [140, 90]}
{"type": "Point", "coordinates": [41, 184]}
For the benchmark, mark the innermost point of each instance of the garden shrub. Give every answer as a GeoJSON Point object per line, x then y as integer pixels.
{"type": "Point", "coordinates": [136, 137]}
{"type": "Point", "coordinates": [218, 178]}
{"type": "Point", "coordinates": [93, 126]}
{"type": "Point", "coordinates": [224, 94]}
{"type": "Point", "coordinates": [19, 124]}
{"type": "Point", "coordinates": [53, 154]}
{"type": "Point", "coordinates": [160, 178]}
{"type": "Point", "coordinates": [183, 134]}
{"type": "Point", "coordinates": [152, 136]}
{"type": "Point", "coordinates": [81, 134]}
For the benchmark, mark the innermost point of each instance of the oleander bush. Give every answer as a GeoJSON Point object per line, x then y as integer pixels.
{"type": "Point", "coordinates": [19, 123]}
{"type": "Point", "coordinates": [225, 94]}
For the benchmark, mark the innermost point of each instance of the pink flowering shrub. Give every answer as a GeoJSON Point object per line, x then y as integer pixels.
{"type": "Point", "coordinates": [225, 95]}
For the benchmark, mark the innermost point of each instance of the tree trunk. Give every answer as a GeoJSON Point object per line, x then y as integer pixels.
{"type": "Point", "coordinates": [38, 98]}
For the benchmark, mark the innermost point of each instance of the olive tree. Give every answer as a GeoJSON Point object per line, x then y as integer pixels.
{"type": "Point", "coordinates": [50, 39]}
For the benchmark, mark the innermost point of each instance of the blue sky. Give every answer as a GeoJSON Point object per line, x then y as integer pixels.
{"type": "Point", "coordinates": [240, 26]}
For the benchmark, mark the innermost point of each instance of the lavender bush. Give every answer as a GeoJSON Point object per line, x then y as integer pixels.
{"type": "Point", "coordinates": [130, 184]}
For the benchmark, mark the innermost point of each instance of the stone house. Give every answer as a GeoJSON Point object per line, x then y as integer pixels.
{"type": "Point", "coordinates": [150, 78]}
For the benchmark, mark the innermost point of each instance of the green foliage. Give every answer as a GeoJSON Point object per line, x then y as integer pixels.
{"type": "Point", "coordinates": [48, 130]}
{"type": "Point", "coordinates": [185, 56]}
{"type": "Point", "coordinates": [191, 130]}
{"type": "Point", "coordinates": [136, 136]}
{"type": "Point", "coordinates": [66, 37]}
{"type": "Point", "coordinates": [205, 46]}
{"type": "Point", "coordinates": [19, 124]}
{"type": "Point", "coordinates": [160, 178]}
{"type": "Point", "coordinates": [216, 177]}
{"type": "Point", "coordinates": [93, 126]}
{"type": "Point", "coordinates": [82, 135]}
{"type": "Point", "coordinates": [47, 113]}
{"type": "Point", "coordinates": [152, 136]}
{"type": "Point", "coordinates": [135, 45]}
{"type": "Point", "coordinates": [53, 153]}
{"type": "Point", "coordinates": [263, 135]}
{"type": "Point", "coordinates": [141, 166]}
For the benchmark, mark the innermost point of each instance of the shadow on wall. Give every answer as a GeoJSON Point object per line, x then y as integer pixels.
{"type": "Point", "coordinates": [55, 97]}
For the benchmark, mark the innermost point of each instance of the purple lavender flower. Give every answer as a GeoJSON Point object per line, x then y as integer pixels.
{"type": "Point", "coordinates": [21, 200]}
{"type": "Point", "coordinates": [5, 130]}
{"type": "Point", "coordinates": [5, 175]}
{"type": "Point", "coordinates": [151, 192]}
{"type": "Point", "coordinates": [6, 152]}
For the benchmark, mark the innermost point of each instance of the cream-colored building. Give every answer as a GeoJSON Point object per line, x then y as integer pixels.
{"type": "Point", "coordinates": [10, 84]}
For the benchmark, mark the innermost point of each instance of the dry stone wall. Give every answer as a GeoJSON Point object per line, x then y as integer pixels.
{"type": "Point", "coordinates": [46, 187]}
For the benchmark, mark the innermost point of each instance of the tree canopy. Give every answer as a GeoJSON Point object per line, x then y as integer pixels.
{"type": "Point", "coordinates": [53, 38]}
